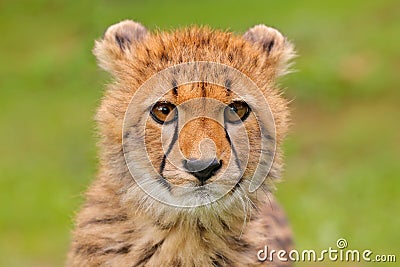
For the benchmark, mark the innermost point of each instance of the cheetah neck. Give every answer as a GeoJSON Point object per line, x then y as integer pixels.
{"type": "Point", "coordinates": [190, 244]}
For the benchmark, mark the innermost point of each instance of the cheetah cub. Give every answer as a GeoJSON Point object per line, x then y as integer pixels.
{"type": "Point", "coordinates": [191, 129]}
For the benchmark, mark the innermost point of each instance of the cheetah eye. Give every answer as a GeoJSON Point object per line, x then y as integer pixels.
{"type": "Point", "coordinates": [164, 112]}
{"type": "Point", "coordinates": [236, 112]}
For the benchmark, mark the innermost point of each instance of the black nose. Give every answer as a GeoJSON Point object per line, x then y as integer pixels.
{"type": "Point", "coordinates": [202, 169]}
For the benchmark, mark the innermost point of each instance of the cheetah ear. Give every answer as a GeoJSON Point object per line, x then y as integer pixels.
{"type": "Point", "coordinates": [272, 42]}
{"type": "Point", "coordinates": [118, 43]}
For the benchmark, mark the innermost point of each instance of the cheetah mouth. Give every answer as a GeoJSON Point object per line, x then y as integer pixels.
{"type": "Point", "coordinates": [202, 192]}
{"type": "Point", "coordinates": [210, 188]}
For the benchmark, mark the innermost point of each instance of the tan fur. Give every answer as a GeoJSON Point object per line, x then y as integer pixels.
{"type": "Point", "coordinates": [118, 224]}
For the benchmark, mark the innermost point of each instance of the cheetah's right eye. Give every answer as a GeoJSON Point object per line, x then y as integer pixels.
{"type": "Point", "coordinates": [236, 112]}
{"type": "Point", "coordinates": [164, 112]}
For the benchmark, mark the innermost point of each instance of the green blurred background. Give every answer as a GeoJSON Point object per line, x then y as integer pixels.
{"type": "Point", "coordinates": [342, 164]}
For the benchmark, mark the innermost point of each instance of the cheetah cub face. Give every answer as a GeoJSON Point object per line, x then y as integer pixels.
{"type": "Point", "coordinates": [194, 118]}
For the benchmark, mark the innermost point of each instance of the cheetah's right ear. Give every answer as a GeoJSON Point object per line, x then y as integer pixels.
{"type": "Point", "coordinates": [118, 44]}
{"type": "Point", "coordinates": [274, 44]}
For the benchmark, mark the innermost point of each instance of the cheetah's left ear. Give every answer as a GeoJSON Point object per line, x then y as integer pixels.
{"type": "Point", "coordinates": [118, 43]}
{"type": "Point", "coordinates": [272, 42]}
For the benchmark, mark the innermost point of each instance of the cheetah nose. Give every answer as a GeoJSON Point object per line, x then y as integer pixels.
{"type": "Point", "coordinates": [202, 169]}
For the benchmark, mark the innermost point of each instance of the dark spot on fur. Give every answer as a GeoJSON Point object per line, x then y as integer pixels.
{"type": "Point", "coordinates": [87, 249]}
{"type": "Point", "coordinates": [230, 57]}
{"type": "Point", "coordinates": [164, 57]}
{"type": "Point", "coordinates": [255, 61]}
{"type": "Point", "coordinates": [165, 183]}
{"type": "Point", "coordinates": [148, 251]}
{"type": "Point", "coordinates": [176, 263]}
{"type": "Point", "coordinates": [126, 135]}
{"type": "Point", "coordinates": [122, 41]}
{"type": "Point", "coordinates": [129, 232]}
{"type": "Point", "coordinates": [266, 133]}
{"type": "Point", "coordinates": [237, 185]}
{"type": "Point", "coordinates": [200, 226]}
{"type": "Point", "coordinates": [122, 250]}
{"type": "Point", "coordinates": [174, 87]}
{"type": "Point", "coordinates": [205, 41]}
{"type": "Point", "coordinates": [148, 64]}
{"type": "Point", "coordinates": [141, 72]}
{"type": "Point", "coordinates": [220, 260]}
{"type": "Point", "coordinates": [148, 52]}
{"type": "Point", "coordinates": [267, 46]}
{"type": "Point", "coordinates": [241, 48]}
{"type": "Point", "coordinates": [203, 90]}
{"type": "Point", "coordinates": [216, 263]}
{"type": "Point", "coordinates": [107, 220]}
{"type": "Point", "coordinates": [228, 85]}
{"type": "Point", "coordinates": [240, 244]}
{"type": "Point", "coordinates": [268, 136]}
{"type": "Point", "coordinates": [162, 226]}
{"type": "Point", "coordinates": [224, 225]}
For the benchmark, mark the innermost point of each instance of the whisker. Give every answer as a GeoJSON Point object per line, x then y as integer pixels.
{"type": "Point", "coordinates": [244, 217]}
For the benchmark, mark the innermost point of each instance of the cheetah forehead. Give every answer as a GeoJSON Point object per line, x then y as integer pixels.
{"type": "Point", "coordinates": [128, 48]}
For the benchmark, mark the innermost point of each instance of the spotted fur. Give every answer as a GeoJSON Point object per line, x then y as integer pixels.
{"type": "Point", "coordinates": [119, 225]}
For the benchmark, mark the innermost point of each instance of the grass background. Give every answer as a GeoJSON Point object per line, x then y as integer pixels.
{"type": "Point", "coordinates": [342, 174]}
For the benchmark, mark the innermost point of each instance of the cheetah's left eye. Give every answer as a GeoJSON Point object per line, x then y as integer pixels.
{"type": "Point", "coordinates": [164, 112]}
{"type": "Point", "coordinates": [236, 112]}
